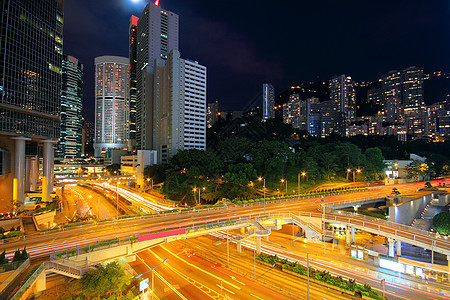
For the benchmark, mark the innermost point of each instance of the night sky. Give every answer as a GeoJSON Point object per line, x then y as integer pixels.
{"type": "Point", "coordinates": [246, 43]}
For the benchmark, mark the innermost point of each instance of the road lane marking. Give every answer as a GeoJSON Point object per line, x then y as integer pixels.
{"type": "Point", "coordinates": [256, 297]}
{"type": "Point", "coordinates": [162, 279]}
{"type": "Point", "coordinates": [220, 286]}
{"type": "Point", "coordinates": [204, 271]}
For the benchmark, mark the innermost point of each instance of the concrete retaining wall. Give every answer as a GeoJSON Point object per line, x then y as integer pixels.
{"type": "Point", "coordinates": [406, 212]}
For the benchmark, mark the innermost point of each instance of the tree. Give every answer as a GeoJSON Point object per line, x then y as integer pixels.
{"type": "Point", "coordinates": [237, 180]}
{"type": "Point", "coordinates": [269, 157]}
{"type": "Point", "coordinates": [198, 163]}
{"type": "Point", "coordinates": [417, 169]}
{"type": "Point", "coordinates": [395, 192]}
{"type": "Point", "coordinates": [234, 149]}
{"type": "Point", "coordinates": [373, 165]}
{"type": "Point", "coordinates": [105, 281]}
{"type": "Point", "coordinates": [155, 172]}
{"type": "Point", "coordinates": [113, 168]}
{"type": "Point", "coordinates": [3, 258]}
{"type": "Point", "coordinates": [17, 256]}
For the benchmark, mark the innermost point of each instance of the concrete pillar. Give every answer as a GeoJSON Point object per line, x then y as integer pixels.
{"type": "Point", "coordinates": [41, 283]}
{"type": "Point", "coordinates": [242, 230]}
{"type": "Point", "coordinates": [347, 235]}
{"type": "Point", "coordinates": [47, 178]}
{"type": "Point", "coordinates": [353, 235]}
{"type": "Point", "coordinates": [27, 173]}
{"type": "Point", "coordinates": [34, 172]}
{"type": "Point", "coordinates": [239, 247]}
{"type": "Point", "coordinates": [19, 168]}
{"type": "Point", "coordinates": [258, 245]}
{"type": "Point", "coordinates": [391, 247]}
{"type": "Point", "coordinates": [266, 238]}
{"type": "Point", "coordinates": [399, 248]}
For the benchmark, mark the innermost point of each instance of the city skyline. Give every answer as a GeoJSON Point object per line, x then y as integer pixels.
{"type": "Point", "coordinates": [387, 39]}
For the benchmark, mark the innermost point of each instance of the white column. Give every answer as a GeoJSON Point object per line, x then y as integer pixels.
{"type": "Point", "coordinates": [391, 247]}
{"type": "Point", "coordinates": [399, 248]}
{"type": "Point", "coordinates": [19, 168]}
{"type": "Point", "coordinates": [353, 235]}
{"type": "Point", "coordinates": [258, 245]}
{"type": "Point", "coordinates": [347, 235]}
{"type": "Point", "coordinates": [47, 178]}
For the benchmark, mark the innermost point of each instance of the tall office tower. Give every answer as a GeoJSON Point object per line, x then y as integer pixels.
{"type": "Point", "coordinates": [30, 91]}
{"type": "Point", "coordinates": [212, 113]}
{"type": "Point", "coordinates": [157, 35]}
{"type": "Point", "coordinates": [132, 29]}
{"type": "Point", "coordinates": [69, 145]}
{"type": "Point", "coordinates": [391, 91]}
{"type": "Point", "coordinates": [268, 101]}
{"type": "Point", "coordinates": [412, 87]}
{"type": "Point", "coordinates": [342, 94]}
{"type": "Point", "coordinates": [180, 106]}
{"type": "Point", "coordinates": [111, 99]}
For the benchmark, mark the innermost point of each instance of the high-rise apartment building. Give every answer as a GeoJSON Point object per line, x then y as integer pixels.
{"type": "Point", "coordinates": [31, 43]}
{"type": "Point", "coordinates": [69, 144]}
{"type": "Point", "coordinates": [342, 94]}
{"type": "Point", "coordinates": [268, 101]}
{"type": "Point", "coordinates": [180, 106]}
{"type": "Point", "coordinates": [170, 91]}
{"type": "Point", "coordinates": [157, 35]}
{"type": "Point", "coordinates": [212, 113]}
{"type": "Point", "coordinates": [391, 90]}
{"type": "Point", "coordinates": [132, 29]}
{"type": "Point", "coordinates": [412, 87]}
{"type": "Point", "coordinates": [292, 111]}
{"type": "Point", "coordinates": [111, 99]}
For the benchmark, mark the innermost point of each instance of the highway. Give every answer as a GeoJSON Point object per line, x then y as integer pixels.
{"type": "Point", "coordinates": [187, 276]}
{"type": "Point", "coordinates": [42, 244]}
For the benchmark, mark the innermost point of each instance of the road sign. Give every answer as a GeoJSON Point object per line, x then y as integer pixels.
{"type": "Point", "coordinates": [143, 285]}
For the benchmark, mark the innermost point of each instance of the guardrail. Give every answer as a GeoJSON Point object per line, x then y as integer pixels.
{"type": "Point", "coordinates": [94, 224]}
{"type": "Point", "coordinates": [28, 283]}
{"type": "Point", "coordinates": [13, 275]}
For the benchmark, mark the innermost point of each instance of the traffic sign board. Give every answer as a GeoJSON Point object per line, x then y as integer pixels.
{"type": "Point", "coordinates": [143, 285]}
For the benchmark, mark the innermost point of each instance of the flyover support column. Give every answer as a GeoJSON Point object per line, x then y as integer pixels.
{"type": "Point", "coordinates": [242, 230]}
{"type": "Point", "coordinates": [399, 248]}
{"type": "Point", "coordinates": [353, 235]}
{"type": "Point", "coordinates": [347, 235]}
{"type": "Point", "coordinates": [258, 245]}
{"type": "Point", "coordinates": [266, 238]}
{"type": "Point", "coordinates": [19, 169]}
{"type": "Point", "coordinates": [238, 247]}
{"type": "Point", "coordinates": [391, 247]}
{"type": "Point", "coordinates": [47, 179]}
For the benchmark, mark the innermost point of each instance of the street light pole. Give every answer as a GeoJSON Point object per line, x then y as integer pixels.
{"type": "Point", "coordinates": [117, 200]}
{"type": "Point", "coordinates": [153, 275]}
{"type": "Point", "coordinates": [264, 191]}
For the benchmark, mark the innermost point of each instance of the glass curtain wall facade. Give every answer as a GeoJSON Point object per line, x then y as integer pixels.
{"type": "Point", "coordinates": [111, 99]}
{"type": "Point", "coordinates": [30, 61]}
{"type": "Point", "coordinates": [31, 43]}
{"type": "Point", "coordinates": [69, 145]}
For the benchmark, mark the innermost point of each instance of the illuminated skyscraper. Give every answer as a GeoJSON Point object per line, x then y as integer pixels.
{"type": "Point", "coordinates": [111, 98]}
{"type": "Point", "coordinates": [391, 89]}
{"type": "Point", "coordinates": [342, 95]}
{"type": "Point", "coordinates": [268, 101]}
{"type": "Point", "coordinates": [132, 28]}
{"type": "Point", "coordinates": [69, 145]}
{"type": "Point", "coordinates": [31, 39]}
{"type": "Point", "coordinates": [412, 87]}
{"type": "Point", "coordinates": [157, 35]}
{"type": "Point", "coordinates": [180, 110]}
